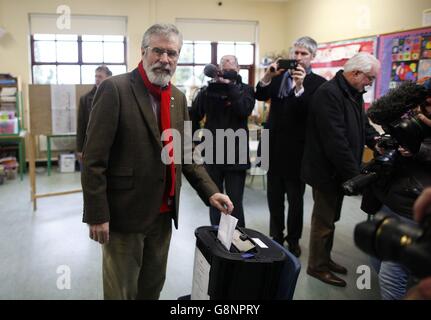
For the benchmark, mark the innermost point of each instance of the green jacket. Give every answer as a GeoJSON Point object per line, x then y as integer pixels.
{"type": "Point", "coordinates": [123, 177]}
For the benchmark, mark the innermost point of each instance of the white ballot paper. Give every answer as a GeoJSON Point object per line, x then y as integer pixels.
{"type": "Point", "coordinates": [226, 229]}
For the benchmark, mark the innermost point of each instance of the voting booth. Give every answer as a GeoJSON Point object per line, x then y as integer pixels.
{"type": "Point", "coordinates": [253, 268]}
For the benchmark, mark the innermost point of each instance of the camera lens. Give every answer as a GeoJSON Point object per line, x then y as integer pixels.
{"type": "Point", "coordinates": [385, 236]}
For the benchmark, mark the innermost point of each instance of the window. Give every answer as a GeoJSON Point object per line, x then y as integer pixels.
{"type": "Point", "coordinates": [72, 59]}
{"type": "Point", "coordinates": [195, 55]}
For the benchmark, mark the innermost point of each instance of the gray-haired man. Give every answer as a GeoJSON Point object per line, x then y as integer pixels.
{"type": "Point", "coordinates": [290, 92]}
{"type": "Point", "coordinates": [130, 194]}
{"type": "Point", "coordinates": [337, 131]}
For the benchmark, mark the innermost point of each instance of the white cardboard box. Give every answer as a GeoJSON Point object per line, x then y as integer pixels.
{"type": "Point", "coordinates": [66, 162]}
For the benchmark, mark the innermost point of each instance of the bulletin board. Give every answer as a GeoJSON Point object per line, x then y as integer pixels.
{"type": "Point", "coordinates": [40, 106]}
{"type": "Point", "coordinates": [331, 57]}
{"type": "Point", "coordinates": [40, 113]}
{"type": "Point", "coordinates": [404, 56]}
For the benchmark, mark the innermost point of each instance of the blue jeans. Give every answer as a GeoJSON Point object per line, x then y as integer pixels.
{"type": "Point", "coordinates": [393, 280]}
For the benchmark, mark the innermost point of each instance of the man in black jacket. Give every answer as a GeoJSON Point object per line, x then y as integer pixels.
{"type": "Point", "coordinates": [337, 131]}
{"type": "Point", "coordinates": [226, 104]}
{"type": "Point", "coordinates": [102, 72]}
{"type": "Point", "coordinates": [290, 92]}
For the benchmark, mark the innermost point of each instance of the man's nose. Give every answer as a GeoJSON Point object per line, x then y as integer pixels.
{"type": "Point", "coordinates": [164, 57]}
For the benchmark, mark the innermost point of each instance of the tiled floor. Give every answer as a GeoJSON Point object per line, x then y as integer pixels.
{"type": "Point", "coordinates": [37, 249]}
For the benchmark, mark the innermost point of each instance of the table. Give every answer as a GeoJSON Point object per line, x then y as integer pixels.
{"type": "Point", "coordinates": [32, 173]}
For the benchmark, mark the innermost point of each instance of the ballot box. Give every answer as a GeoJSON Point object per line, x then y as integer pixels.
{"type": "Point", "coordinates": [253, 267]}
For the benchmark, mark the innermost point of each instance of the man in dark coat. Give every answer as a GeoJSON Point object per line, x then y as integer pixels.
{"type": "Point", "coordinates": [131, 178]}
{"type": "Point", "coordinates": [290, 92]}
{"type": "Point", "coordinates": [102, 72]}
{"type": "Point", "coordinates": [337, 131]}
{"type": "Point", "coordinates": [226, 109]}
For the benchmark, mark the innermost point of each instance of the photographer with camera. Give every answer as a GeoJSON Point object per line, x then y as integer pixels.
{"type": "Point", "coordinates": [289, 84]}
{"type": "Point", "coordinates": [226, 103]}
{"type": "Point", "coordinates": [402, 171]}
{"type": "Point", "coordinates": [337, 131]}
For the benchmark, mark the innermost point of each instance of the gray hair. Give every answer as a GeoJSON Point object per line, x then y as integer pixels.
{"type": "Point", "coordinates": [235, 59]}
{"type": "Point", "coordinates": [104, 68]}
{"type": "Point", "coordinates": [362, 61]}
{"type": "Point", "coordinates": [161, 29]}
{"type": "Point", "coordinates": [308, 43]}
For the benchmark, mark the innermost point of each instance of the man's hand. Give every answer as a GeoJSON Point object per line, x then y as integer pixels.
{"type": "Point", "coordinates": [377, 145]}
{"type": "Point", "coordinates": [422, 291]}
{"type": "Point", "coordinates": [272, 72]}
{"type": "Point", "coordinates": [221, 202]}
{"type": "Point", "coordinates": [298, 76]}
{"type": "Point", "coordinates": [100, 232]}
{"type": "Point", "coordinates": [79, 156]}
{"type": "Point", "coordinates": [405, 152]}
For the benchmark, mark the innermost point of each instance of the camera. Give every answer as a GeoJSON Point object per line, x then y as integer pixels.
{"type": "Point", "coordinates": [396, 113]}
{"type": "Point", "coordinates": [229, 75]}
{"type": "Point", "coordinates": [386, 237]}
{"type": "Point", "coordinates": [212, 71]}
{"type": "Point", "coordinates": [287, 64]}
{"type": "Point", "coordinates": [378, 170]}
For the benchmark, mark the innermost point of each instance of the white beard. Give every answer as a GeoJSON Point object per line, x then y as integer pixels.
{"type": "Point", "coordinates": [158, 77]}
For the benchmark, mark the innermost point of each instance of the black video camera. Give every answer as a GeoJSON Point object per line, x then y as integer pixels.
{"type": "Point", "coordinates": [378, 170]}
{"type": "Point", "coordinates": [217, 89]}
{"type": "Point", "coordinates": [212, 71]}
{"type": "Point", "coordinates": [387, 238]}
{"type": "Point", "coordinates": [396, 113]}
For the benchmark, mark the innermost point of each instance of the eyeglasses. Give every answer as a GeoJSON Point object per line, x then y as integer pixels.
{"type": "Point", "coordinates": [172, 54]}
{"type": "Point", "coordinates": [370, 78]}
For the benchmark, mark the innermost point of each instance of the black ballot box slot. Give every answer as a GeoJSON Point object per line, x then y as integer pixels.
{"type": "Point", "coordinates": [254, 274]}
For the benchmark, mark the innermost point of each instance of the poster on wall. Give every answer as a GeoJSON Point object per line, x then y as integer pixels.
{"type": "Point", "coordinates": [63, 109]}
{"type": "Point", "coordinates": [331, 57]}
{"type": "Point", "coordinates": [405, 56]}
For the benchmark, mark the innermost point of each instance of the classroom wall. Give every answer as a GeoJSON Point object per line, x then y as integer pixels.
{"type": "Point", "coordinates": [14, 47]}
{"type": "Point", "coordinates": [14, 17]}
{"type": "Point", "coordinates": [280, 22]}
{"type": "Point", "coordinates": [329, 20]}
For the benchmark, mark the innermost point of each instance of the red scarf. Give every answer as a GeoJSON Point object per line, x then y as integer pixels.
{"type": "Point", "coordinates": [164, 96]}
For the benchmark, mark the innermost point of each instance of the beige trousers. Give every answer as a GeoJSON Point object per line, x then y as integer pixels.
{"type": "Point", "coordinates": [134, 264]}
